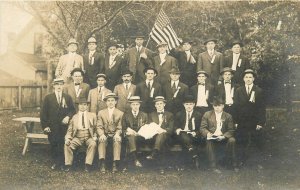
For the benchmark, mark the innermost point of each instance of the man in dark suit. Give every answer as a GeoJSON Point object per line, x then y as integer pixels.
{"type": "Point", "coordinates": [56, 112]}
{"type": "Point", "coordinates": [187, 127]}
{"type": "Point", "coordinates": [250, 112]}
{"type": "Point", "coordinates": [148, 89]}
{"type": "Point", "coordinates": [211, 61]}
{"type": "Point", "coordinates": [237, 62]}
{"type": "Point", "coordinates": [138, 58]}
{"type": "Point", "coordinates": [218, 128]}
{"type": "Point", "coordinates": [163, 63]}
{"type": "Point", "coordinates": [202, 92]}
{"type": "Point", "coordinates": [113, 66]}
{"type": "Point", "coordinates": [132, 121]}
{"type": "Point", "coordinates": [186, 63]}
{"type": "Point", "coordinates": [166, 122]}
{"type": "Point", "coordinates": [93, 63]}
{"type": "Point", "coordinates": [174, 91]}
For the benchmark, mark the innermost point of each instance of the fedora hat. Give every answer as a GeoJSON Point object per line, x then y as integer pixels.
{"type": "Point", "coordinates": [202, 72]}
{"type": "Point", "coordinates": [77, 70]}
{"type": "Point", "coordinates": [161, 44]}
{"type": "Point", "coordinates": [210, 40]}
{"type": "Point", "coordinates": [127, 71]}
{"type": "Point", "coordinates": [226, 69]}
{"type": "Point", "coordinates": [150, 68]}
{"type": "Point", "coordinates": [189, 99]}
{"type": "Point", "coordinates": [249, 71]}
{"type": "Point", "coordinates": [217, 101]}
{"type": "Point", "coordinates": [82, 100]}
{"type": "Point", "coordinates": [174, 71]}
{"type": "Point", "coordinates": [237, 42]}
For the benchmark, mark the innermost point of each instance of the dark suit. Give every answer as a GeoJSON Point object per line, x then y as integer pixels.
{"type": "Point", "coordinates": [175, 104]}
{"type": "Point", "coordinates": [213, 69]}
{"type": "Point", "coordinates": [208, 88]}
{"type": "Point", "coordinates": [242, 65]}
{"type": "Point", "coordinates": [163, 69]}
{"type": "Point", "coordinates": [52, 114]}
{"type": "Point", "coordinates": [93, 66]}
{"type": "Point", "coordinates": [141, 90]}
{"type": "Point", "coordinates": [114, 73]}
{"type": "Point", "coordinates": [209, 125]}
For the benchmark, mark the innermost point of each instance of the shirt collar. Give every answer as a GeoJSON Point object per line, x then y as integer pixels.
{"type": "Point", "coordinates": [111, 109]}
{"type": "Point", "coordinates": [147, 81]}
{"type": "Point", "coordinates": [92, 52]}
{"type": "Point", "coordinates": [134, 111]}
{"type": "Point", "coordinates": [251, 85]}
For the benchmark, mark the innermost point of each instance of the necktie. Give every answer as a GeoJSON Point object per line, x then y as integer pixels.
{"type": "Point", "coordinates": [174, 87]}
{"type": "Point", "coordinates": [90, 59]}
{"type": "Point", "coordinates": [189, 120]}
{"type": "Point", "coordinates": [126, 86]}
{"type": "Point", "coordinates": [59, 98]}
{"type": "Point", "coordinates": [99, 90]}
{"type": "Point", "coordinates": [248, 90]}
{"type": "Point", "coordinates": [134, 114]}
{"type": "Point", "coordinates": [160, 113]}
{"type": "Point", "coordinates": [83, 124]}
{"type": "Point", "coordinates": [201, 84]}
{"type": "Point", "coordinates": [149, 87]}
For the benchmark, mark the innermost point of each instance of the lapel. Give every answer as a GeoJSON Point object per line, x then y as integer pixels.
{"type": "Point", "coordinates": [54, 99]}
{"type": "Point", "coordinates": [155, 118]}
{"type": "Point", "coordinates": [207, 56]}
{"type": "Point", "coordinates": [214, 120]}
{"type": "Point", "coordinates": [223, 121]}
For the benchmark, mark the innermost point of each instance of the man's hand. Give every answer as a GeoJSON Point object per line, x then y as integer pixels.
{"type": "Point", "coordinates": [193, 133]}
{"type": "Point", "coordinates": [209, 135]}
{"type": "Point", "coordinates": [67, 142]}
{"type": "Point", "coordinates": [117, 138]}
{"type": "Point", "coordinates": [160, 131]}
{"type": "Point", "coordinates": [143, 55]}
{"type": "Point", "coordinates": [102, 138]}
{"type": "Point", "coordinates": [129, 131]}
{"type": "Point", "coordinates": [66, 120]}
{"type": "Point", "coordinates": [178, 131]}
{"type": "Point", "coordinates": [47, 130]}
{"type": "Point", "coordinates": [258, 127]}
{"type": "Point", "coordinates": [95, 138]}
{"type": "Point", "coordinates": [220, 138]}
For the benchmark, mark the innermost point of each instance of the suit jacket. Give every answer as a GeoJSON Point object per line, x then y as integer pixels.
{"type": "Point", "coordinates": [135, 124]}
{"type": "Point", "coordinates": [123, 95]}
{"type": "Point", "coordinates": [93, 67]}
{"type": "Point", "coordinates": [141, 90]}
{"type": "Point", "coordinates": [188, 69]}
{"type": "Point", "coordinates": [240, 68]}
{"type": "Point", "coordinates": [211, 92]}
{"type": "Point", "coordinates": [194, 121]}
{"type": "Point", "coordinates": [83, 91]}
{"type": "Point", "coordinates": [109, 126]}
{"type": "Point", "coordinates": [113, 74]}
{"type": "Point", "coordinates": [73, 125]}
{"type": "Point", "coordinates": [175, 104]}
{"type": "Point", "coordinates": [66, 64]}
{"type": "Point", "coordinates": [249, 114]}
{"type": "Point", "coordinates": [163, 70]}
{"type": "Point", "coordinates": [220, 90]}
{"type": "Point", "coordinates": [136, 64]}
{"type": "Point", "coordinates": [209, 124]}
{"type": "Point", "coordinates": [213, 69]}
{"type": "Point", "coordinates": [168, 121]}
{"type": "Point", "coordinates": [96, 99]}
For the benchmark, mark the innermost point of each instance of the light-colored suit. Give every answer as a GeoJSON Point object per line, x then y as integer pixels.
{"type": "Point", "coordinates": [83, 91]}
{"type": "Point", "coordinates": [123, 95]}
{"type": "Point", "coordinates": [96, 99]}
{"type": "Point", "coordinates": [66, 64]}
{"type": "Point", "coordinates": [76, 141]}
{"type": "Point", "coordinates": [109, 127]}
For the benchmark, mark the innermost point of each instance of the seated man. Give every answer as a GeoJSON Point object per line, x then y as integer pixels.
{"type": "Point", "coordinates": [166, 121]}
{"type": "Point", "coordinates": [109, 129]}
{"type": "Point", "coordinates": [82, 130]}
{"type": "Point", "coordinates": [133, 120]}
{"type": "Point", "coordinates": [217, 127]}
{"type": "Point", "coordinates": [187, 124]}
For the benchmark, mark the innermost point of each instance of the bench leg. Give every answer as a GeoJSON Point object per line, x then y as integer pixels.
{"type": "Point", "coordinates": [25, 146]}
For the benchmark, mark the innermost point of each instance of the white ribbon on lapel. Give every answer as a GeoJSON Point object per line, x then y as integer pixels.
{"type": "Point", "coordinates": [129, 95]}
{"type": "Point", "coordinates": [240, 62]}
{"type": "Point", "coordinates": [175, 94]}
{"type": "Point", "coordinates": [252, 97]}
{"type": "Point", "coordinates": [78, 92]}
{"type": "Point", "coordinates": [206, 94]}
{"type": "Point", "coordinates": [193, 123]}
{"type": "Point", "coordinates": [232, 92]}
{"type": "Point", "coordinates": [92, 61]}
{"type": "Point", "coordinates": [152, 93]}
{"type": "Point", "coordinates": [213, 59]}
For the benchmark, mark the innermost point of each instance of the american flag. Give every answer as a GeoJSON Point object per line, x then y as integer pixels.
{"type": "Point", "coordinates": [162, 31]}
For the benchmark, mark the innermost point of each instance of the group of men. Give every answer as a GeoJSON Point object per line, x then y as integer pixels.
{"type": "Point", "coordinates": [101, 102]}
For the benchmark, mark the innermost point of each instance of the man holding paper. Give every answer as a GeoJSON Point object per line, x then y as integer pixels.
{"type": "Point", "coordinates": [218, 129]}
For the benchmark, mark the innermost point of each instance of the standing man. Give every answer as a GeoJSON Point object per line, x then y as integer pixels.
{"type": "Point", "coordinates": [186, 63]}
{"type": "Point", "coordinates": [109, 130]}
{"type": "Point", "coordinates": [124, 91]}
{"type": "Point", "coordinates": [93, 63]}
{"type": "Point", "coordinates": [211, 61]}
{"type": "Point", "coordinates": [163, 63]}
{"type": "Point", "coordinates": [120, 50]}
{"type": "Point", "coordinates": [175, 91]}
{"type": "Point", "coordinates": [81, 131]}
{"type": "Point", "coordinates": [187, 127]}
{"type": "Point", "coordinates": [56, 112]}
{"type": "Point", "coordinates": [138, 58]}
{"type": "Point", "coordinates": [250, 112]}
{"type": "Point", "coordinates": [237, 62]}
{"type": "Point", "coordinates": [202, 92]}
{"type": "Point", "coordinates": [218, 128]}
{"type": "Point", "coordinates": [148, 89]}
{"type": "Point", "coordinates": [97, 95]}
{"type": "Point", "coordinates": [69, 61]}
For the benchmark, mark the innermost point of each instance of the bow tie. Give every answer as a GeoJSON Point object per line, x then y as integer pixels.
{"type": "Point", "coordinates": [227, 82]}
{"type": "Point", "coordinates": [160, 113]}
{"type": "Point", "coordinates": [76, 84]}
{"type": "Point", "coordinates": [201, 84]}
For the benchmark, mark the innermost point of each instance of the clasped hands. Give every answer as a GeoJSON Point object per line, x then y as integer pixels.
{"type": "Point", "coordinates": [179, 130]}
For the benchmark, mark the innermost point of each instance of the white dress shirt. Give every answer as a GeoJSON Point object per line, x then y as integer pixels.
{"type": "Point", "coordinates": [201, 98]}
{"type": "Point", "coordinates": [235, 61]}
{"type": "Point", "coordinates": [186, 127]}
{"type": "Point", "coordinates": [151, 83]}
{"type": "Point", "coordinates": [249, 88]}
{"type": "Point", "coordinates": [218, 131]}
{"type": "Point", "coordinates": [110, 112]}
{"type": "Point", "coordinates": [160, 117]}
{"type": "Point", "coordinates": [211, 52]}
{"type": "Point", "coordinates": [135, 113]}
{"type": "Point", "coordinates": [162, 57]}
{"type": "Point", "coordinates": [139, 48]}
{"type": "Point", "coordinates": [188, 55]}
{"type": "Point", "coordinates": [112, 60]}
{"type": "Point", "coordinates": [58, 96]}
{"type": "Point", "coordinates": [228, 95]}
{"type": "Point", "coordinates": [176, 83]}
{"type": "Point", "coordinates": [128, 85]}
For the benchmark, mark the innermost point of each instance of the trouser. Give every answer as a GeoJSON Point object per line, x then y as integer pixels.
{"type": "Point", "coordinates": [77, 142]}
{"type": "Point", "coordinates": [188, 141]}
{"type": "Point", "coordinates": [56, 140]}
{"type": "Point", "coordinates": [133, 141]}
{"type": "Point", "coordinates": [230, 150]}
{"type": "Point", "coordinates": [116, 148]}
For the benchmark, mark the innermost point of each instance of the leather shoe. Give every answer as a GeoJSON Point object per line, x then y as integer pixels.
{"type": "Point", "coordinates": [114, 168]}
{"type": "Point", "coordinates": [67, 168]}
{"type": "Point", "coordinates": [150, 157]}
{"type": "Point", "coordinates": [102, 168]}
{"type": "Point", "coordinates": [53, 167]}
{"type": "Point", "coordinates": [138, 164]}
{"type": "Point", "coordinates": [87, 168]}
{"type": "Point", "coordinates": [162, 171]}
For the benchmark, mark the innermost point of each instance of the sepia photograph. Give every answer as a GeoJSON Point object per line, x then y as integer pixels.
{"type": "Point", "coordinates": [199, 94]}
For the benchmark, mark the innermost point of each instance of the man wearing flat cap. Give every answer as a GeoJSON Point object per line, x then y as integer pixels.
{"type": "Point", "coordinates": [218, 128]}
{"type": "Point", "coordinates": [81, 132]}
{"type": "Point", "coordinates": [187, 127]}
{"type": "Point", "coordinates": [187, 63]}
{"type": "Point", "coordinates": [163, 63]}
{"type": "Point", "coordinates": [211, 61]}
{"type": "Point", "coordinates": [148, 89]}
{"type": "Point", "coordinates": [56, 112]}
{"type": "Point", "coordinates": [237, 61]}
{"type": "Point", "coordinates": [138, 58]}
{"type": "Point", "coordinates": [93, 63]}
{"type": "Point", "coordinates": [97, 95]}
{"type": "Point", "coordinates": [124, 91]}
{"type": "Point", "coordinates": [69, 61]}
{"type": "Point", "coordinates": [174, 91]}
{"type": "Point", "coordinates": [250, 113]}
{"type": "Point", "coordinates": [109, 130]}
{"type": "Point", "coordinates": [77, 89]}
{"type": "Point", "coordinates": [132, 121]}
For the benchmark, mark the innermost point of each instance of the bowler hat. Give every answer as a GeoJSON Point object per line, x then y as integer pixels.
{"type": "Point", "coordinates": [226, 69]}
{"type": "Point", "coordinates": [189, 99]}
{"type": "Point", "coordinates": [125, 72]}
{"type": "Point", "coordinates": [159, 98]}
{"type": "Point", "coordinates": [217, 101]}
{"type": "Point", "coordinates": [249, 71]}
{"type": "Point", "coordinates": [174, 71]}
{"type": "Point", "coordinates": [111, 44]}
{"type": "Point", "coordinates": [82, 100]}
{"type": "Point", "coordinates": [202, 72]}
{"type": "Point", "coordinates": [111, 95]}
{"type": "Point", "coordinates": [77, 70]}
{"type": "Point", "coordinates": [236, 42]}
{"type": "Point", "coordinates": [72, 41]}
{"type": "Point", "coordinates": [138, 35]}
{"type": "Point", "coordinates": [150, 68]}
{"type": "Point", "coordinates": [186, 40]}
{"type": "Point", "coordinates": [101, 75]}
{"type": "Point", "coordinates": [134, 99]}
{"type": "Point", "coordinates": [210, 40]}
{"type": "Point", "coordinates": [58, 80]}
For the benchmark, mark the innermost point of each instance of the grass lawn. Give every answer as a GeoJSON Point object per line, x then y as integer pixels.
{"type": "Point", "coordinates": [277, 166]}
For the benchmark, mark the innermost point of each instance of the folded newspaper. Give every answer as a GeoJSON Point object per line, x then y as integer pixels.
{"type": "Point", "coordinates": [149, 130]}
